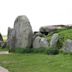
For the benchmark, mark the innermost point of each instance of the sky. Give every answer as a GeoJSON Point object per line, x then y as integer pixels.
{"type": "Point", "coordinates": [39, 12]}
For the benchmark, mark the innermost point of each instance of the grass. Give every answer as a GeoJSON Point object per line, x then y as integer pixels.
{"type": "Point", "coordinates": [57, 31]}
{"type": "Point", "coordinates": [32, 62]}
{"type": "Point", "coordinates": [32, 50]}
{"type": "Point", "coordinates": [66, 34]}
{"type": "Point", "coordinates": [36, 63]}
{"type": "Point", "coordinates": [3, 49]}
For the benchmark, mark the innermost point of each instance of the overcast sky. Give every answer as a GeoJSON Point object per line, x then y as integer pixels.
{"type": "Point", "coordinates": [39, 12]}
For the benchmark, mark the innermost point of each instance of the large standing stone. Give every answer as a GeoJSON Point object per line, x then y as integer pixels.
{"type": "Point", "coordinates": [54, 40]}
{"type": "Point", "coordinates": [23, 31]}
{"type": "Point", "coordinates": [67, 46]}
{"type": "Point", "coordinates": [11, 38]}
{"type": "Point", "coordinates": [40, 42]}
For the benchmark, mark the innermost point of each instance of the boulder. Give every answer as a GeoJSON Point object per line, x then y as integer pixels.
{"type": "Point", "coordinates": [52, 28]}
{"type": "Point", "coordinates": [23, 31]}
{"type": "Point", "coordinates": [11, 38]}
{"type": "Point", "coordinates": [37, 34]}
{"type": "Point", "coordinates": [1, 39]}
{"type": "Point", "coordinates": [54, 40]}
{"type": "Point", "coordinates": [40, 42]}
{"type": "Point", "coordinates": [67, 46]}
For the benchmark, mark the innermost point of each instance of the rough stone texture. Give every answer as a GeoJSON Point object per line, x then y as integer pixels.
{"type": "Point", "coordinates": [23, 31]}
{"type": "Point", "coordinates": [52, 28]}
{"type": "Point", "coordinates": [44, 42]}
{"type": "Point", "coordinates": [40, 42]}
{"type": "Point", "coordinates": [11, 38]}
{"type": "Point", "coordinates": [37, 34]}
{"type": "Point", "coordinates": [1, 39]}
{"type": "Point", "coordinates": [54, 40]}
{"type": "Point", "coordinates": [67, 46]}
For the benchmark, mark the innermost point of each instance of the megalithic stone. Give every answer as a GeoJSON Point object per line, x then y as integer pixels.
{"type": "Point", "coordinates": [11, 38]}
{"type": "Point", "coordinates": [23, 31]}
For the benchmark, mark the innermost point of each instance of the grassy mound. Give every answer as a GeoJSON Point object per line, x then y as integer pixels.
{"type": "Point", "coordinates": [66, 34]}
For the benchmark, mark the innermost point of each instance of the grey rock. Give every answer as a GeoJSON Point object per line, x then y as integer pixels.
{"type": "Point", "coordinates": [67, 46]}
{"type": "Point", "coordinates": [1, 39]}
{"type": "Point", "coordinates": [11, 38]}
{"type": "Point", "coordinates": [54, 40]}
{"type": "Point", "coordinates": [52, 28]}
{"type": "Point", "coordinates": [37, 34]}
{"type": "Point", "coordinates": [47, 29]}
{"type": "Point", "coordinates": [23, 31]}
{"type": "Point", "coordinates": [40, 42]}
{"type": "Point", "coordinates": [44, 42]}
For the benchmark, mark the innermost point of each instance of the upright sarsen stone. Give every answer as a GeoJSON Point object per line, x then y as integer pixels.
{"type": "Point", "coordinates": [54, 40]}
{"type": "Point", "coordinates": [23, 31]}
{"type": "Point", "coordinates": [1, 40]}
{"type": "Point", "coordinates": [67, 46]}
{"type": "Point", "coordinates": [11, 39]}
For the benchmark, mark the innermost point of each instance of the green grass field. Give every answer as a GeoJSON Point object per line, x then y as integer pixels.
{"type": "Point", "coordinates": [36, 63]}
{"type": "Point", "coordinates": [33, 62]}
{"type": "Point", "coordinates": [3, 49]}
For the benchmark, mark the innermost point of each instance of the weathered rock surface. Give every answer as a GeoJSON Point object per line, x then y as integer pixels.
{"type": "Point", "coordinates": [40, 42]}
{"type": "Point", "coordinates": [67, 46]}
{"type": "Point", "coordinates": [54, 40]}
{"type": "Point", "coordinates": [37, 34]}
{"type": "Point", "coordinates": [11, 38]}
{"type": "Point", "coordinates": [52, 28]}
{"type": "Point", "coordinates": [23, 31]}
{"type": "Point", "coordinates": [1, 39]}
